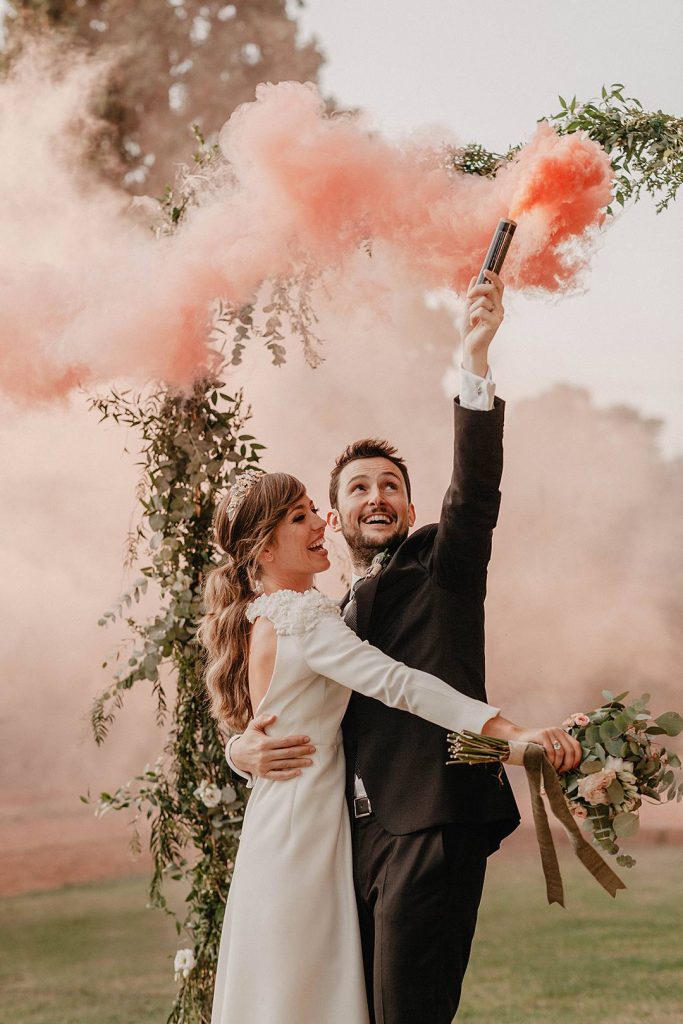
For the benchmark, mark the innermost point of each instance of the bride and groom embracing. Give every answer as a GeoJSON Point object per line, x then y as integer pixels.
{"type": "Point", "coordinates": [361, 863]}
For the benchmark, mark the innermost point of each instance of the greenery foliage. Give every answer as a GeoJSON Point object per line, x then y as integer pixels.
{"type": "Point", "coordinates": [618, 750]}
{"type": "Point", "coordinates": [193, 444]}
{"type": "Point", "coordinates": [646, 148]}
{"type": "Point", "coordinates": [619, 755]}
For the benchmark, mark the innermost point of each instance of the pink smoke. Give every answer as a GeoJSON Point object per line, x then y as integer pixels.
{"type": "Point", "coordinates": [327, 183]}
{"type": "Point", "coordinates": [89, 294]}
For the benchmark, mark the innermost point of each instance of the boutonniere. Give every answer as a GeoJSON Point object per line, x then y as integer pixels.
{"type": "Point", "coordinates": [377, 564]}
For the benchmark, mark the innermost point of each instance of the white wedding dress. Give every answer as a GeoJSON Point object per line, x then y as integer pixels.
{"type": "Point", "coordinates": [290, 949]}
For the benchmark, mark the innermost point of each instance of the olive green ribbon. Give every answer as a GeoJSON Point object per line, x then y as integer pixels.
{"type": "Point", "coordinates": [542, 776]}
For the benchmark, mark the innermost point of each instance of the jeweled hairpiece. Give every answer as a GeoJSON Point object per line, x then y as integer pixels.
{"type": "Point", "coordinates": [240, 489]}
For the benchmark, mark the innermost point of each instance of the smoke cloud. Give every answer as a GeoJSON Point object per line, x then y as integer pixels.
{"type": "Point", "coordinates": [90, 295]}
{"type": "Point", "coordinates": [584, 590]}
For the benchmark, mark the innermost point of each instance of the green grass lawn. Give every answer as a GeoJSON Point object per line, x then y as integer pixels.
{"type": "Point", "coordinates": [94, 955]}
{"type": "Point", "coordinates": [90, 954]}
{"type": "Point", "coordinates": [603, 960]}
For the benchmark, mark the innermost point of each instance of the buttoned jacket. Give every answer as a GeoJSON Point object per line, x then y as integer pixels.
{"type": "Point", "coordinates": [426, 609]}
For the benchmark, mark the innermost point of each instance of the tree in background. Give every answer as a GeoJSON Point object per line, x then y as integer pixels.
{"type": "Point", "coordinates": [175, 63]}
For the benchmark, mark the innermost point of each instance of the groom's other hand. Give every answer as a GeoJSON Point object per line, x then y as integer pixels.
{"type": "Point", "coordinates": [482, 317]}
{"type": "Point", "coordinates": [270, 757]}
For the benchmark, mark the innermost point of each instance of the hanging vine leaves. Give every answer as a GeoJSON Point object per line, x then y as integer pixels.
{"type": "Point", "coordinates": [192, 445]}
{"type": "Point", "coordinates": [646, 148]}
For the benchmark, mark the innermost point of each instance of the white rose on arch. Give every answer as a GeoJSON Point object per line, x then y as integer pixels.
{"type": "Point", "coordinates": [228, 794]}
{"type": "Point", "coordinates": [183, 963]}
{"type": "Point", "coordinates": [208, 793]}
{"type": "Point", "coordinates": [211, 796]}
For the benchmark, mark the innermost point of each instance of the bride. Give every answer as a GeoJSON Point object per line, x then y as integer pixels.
{"type": "Point", "coordinates": [290, 949]}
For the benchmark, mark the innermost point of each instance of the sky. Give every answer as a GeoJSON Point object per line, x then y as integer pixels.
{"type": "Point", "coordinates": [487, 72]}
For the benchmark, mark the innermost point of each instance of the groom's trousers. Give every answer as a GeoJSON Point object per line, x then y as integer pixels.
{"type": "Point", "coordinates": [418, 897]}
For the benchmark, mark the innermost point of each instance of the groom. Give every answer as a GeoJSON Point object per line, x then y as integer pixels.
{"type": "Point", "coordinates": [422, 831]}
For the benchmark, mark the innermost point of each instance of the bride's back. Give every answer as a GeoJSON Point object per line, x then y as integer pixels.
{"type": "Point", "coordinates": [280, 681]}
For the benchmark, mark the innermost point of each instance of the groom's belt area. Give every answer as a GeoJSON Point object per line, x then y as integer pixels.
{"type": "Point", "coordinates": [362, 807]}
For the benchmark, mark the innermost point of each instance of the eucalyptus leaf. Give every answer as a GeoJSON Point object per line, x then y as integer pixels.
{"type": "Point", "coordinates": [592, 735]}
{"type": "Point", "coordinates": [670, 722]}
{"type": "Point", "coordinates": [609, 730]}
{"type": "Point", "coordinates": [625, 825]}
{"type": "Point", "coordinates": [615, 792]}
{"type": "Point", "coordinates": [617, 748]}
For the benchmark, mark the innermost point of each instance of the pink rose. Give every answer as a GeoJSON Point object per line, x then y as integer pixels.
{"type": "Point", "coordinates": [580, 719]}
{"type": "Point", "coordinates": [593, 788]}
{"type": "Point", "coordinates": [579, 811]}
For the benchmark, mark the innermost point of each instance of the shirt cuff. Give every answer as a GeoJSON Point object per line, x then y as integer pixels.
{"type": "Point", "coordinates": [231, 764]}
{"type": "Point", "coordinates": [477, 392]}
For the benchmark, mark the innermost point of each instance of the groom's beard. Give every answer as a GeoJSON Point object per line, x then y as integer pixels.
{"type": "Point", "coordinates": [363, 549]}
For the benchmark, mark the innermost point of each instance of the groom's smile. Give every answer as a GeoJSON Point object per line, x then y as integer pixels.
{"type": "Point", "coordinates": [373, 508]}
{"type": "Point", "coordinates": [379, 519]}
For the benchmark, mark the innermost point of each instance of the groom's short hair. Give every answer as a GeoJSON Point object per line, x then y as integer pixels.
{"type": "Point", "coordinates": [368, 448]}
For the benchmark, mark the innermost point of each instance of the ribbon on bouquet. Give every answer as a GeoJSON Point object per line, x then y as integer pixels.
{"type": "Point", "coordinates": [542, 777]}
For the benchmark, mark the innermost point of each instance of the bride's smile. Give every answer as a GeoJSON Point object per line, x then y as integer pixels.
{"type": "Point", "coordinates": [297, 550]}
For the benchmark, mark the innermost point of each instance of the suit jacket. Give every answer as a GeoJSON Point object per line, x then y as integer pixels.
{"type": "Point", "coordinates": [426, 609]}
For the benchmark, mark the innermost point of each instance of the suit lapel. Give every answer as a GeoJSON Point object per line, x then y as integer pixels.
{"type": "Point", "coordinates": [365, 598]}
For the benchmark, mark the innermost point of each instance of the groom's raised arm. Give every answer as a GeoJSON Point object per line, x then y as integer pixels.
{"type": "Point", "coordinates": [462, 547]}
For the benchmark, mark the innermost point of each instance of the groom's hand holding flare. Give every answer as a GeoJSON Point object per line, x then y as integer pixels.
{"type": "Point", "coordinates": [482, 317]}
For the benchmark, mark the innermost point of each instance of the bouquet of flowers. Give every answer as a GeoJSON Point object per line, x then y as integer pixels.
{"type": "Point", "coordinates": [623, 764]}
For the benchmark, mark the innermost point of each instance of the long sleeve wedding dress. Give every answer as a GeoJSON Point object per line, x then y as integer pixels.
{"type": "Point", "coordinates": [290, 949]}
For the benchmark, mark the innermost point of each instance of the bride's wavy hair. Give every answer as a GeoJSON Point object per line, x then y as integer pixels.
{"type": "Point", "coordinates": [224, 629]}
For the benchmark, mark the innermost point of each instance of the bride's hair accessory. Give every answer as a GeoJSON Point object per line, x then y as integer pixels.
{"type": "Point", "coordinates": [240, 489]}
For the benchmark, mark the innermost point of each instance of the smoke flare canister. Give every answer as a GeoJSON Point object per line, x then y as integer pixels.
{"type": "Point", "coordinates": [500, 243]}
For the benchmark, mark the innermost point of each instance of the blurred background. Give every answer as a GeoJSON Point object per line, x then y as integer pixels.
{"type": "Point", "coordinates": [586, 583]}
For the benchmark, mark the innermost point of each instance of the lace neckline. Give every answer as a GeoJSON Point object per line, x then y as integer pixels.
{"type": "Point", "coordinates": [288, 590]}
{"type": "Point", "coordinates": [292, 611]}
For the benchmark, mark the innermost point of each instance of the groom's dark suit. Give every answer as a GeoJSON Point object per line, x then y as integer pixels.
{"type": "Point", "coordinates": [419, 858]}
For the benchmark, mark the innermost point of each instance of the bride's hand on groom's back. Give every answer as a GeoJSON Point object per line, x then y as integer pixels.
{"type": "Point", "coordinates": [270, 757]}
